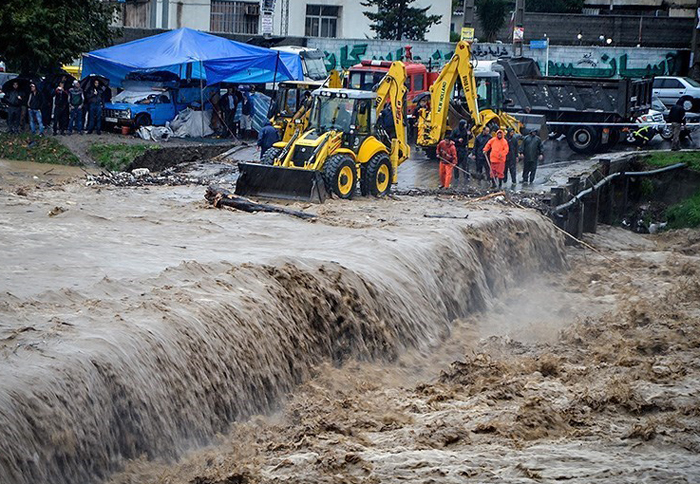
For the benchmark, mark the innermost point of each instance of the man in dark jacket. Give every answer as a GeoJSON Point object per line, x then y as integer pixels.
{"type": "Point", "coordinates": [461, 136]}
{"type": "Point", "coordinates": [94, 97]}
{"type": "Point", "coordinates": [267, 137]}
{"type": "Point", "coordinates": [76, 98]}
{"type": "Point", "coordinates": [228, 104]}
{"type": "Point", "coordinates": [247, 113]}
{"type": "Point", "coordinates": [34, 103]}
{"type": "Point", "coordinates": [533, 152]}
{"type": "Point", "coordinates": [677, 118]}
{"type": "Point", "coordinates": [60, 110]}
{"type": "Point", "coordinates": [14, 100]}
{"type": "Point", "coordinates": [512, 157]}
{"type": "Point", "coordinates": [478, 153]}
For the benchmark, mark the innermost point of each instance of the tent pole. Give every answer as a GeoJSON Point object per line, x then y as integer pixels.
{"type": "Point", "coordinates": [274, 85]}
{"type": "Point", "coordinates": [201, 92]}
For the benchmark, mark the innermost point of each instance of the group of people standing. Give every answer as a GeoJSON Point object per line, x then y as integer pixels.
{"type": "Point", "coordinates": [491, 157]}
{"type": "Point", "coordinates": [225, 109]}
{"type": "Point", "coordinates": [64, 108]}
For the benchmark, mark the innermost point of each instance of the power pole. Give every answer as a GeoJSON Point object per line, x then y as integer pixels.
{"type": "Point", "coordinates": [519, 17]}
{"type": "Point", "coordinates": [284, 20]}
{"type": "Point", "coordinates": [695, 46]}
{"type": "Point", "coordinates": [468, 16]}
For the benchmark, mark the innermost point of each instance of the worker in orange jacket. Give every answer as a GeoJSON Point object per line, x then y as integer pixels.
{"type": "Point", "coordinates": [498, 149]}
{"type": "Point", "coordinates": [447, 154]}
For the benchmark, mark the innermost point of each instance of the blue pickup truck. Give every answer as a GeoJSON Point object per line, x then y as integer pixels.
{"type": "Point", "coordinates": [144, 103]}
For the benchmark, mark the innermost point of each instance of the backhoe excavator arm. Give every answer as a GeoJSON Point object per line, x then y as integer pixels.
{"type": "Point", "coordinates": [432, 124]}
{"type": "Point", "coordinates": [392, 88]}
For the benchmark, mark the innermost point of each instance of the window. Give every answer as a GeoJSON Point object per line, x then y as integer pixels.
{"type": "Point", "coordinates": [234, 17]}
{"type": "Point", "coordinates": [418, 82]}
{"type": "Point", "coordinates": [673, 84]}
{"type": "Point", "coordinates": [658, 83]}
{"type": "Point", "coordinates": [322, 21]}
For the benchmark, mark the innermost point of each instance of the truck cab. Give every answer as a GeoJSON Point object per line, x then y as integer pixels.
{"type": "Point", "coordinates": [312, 61]}
{"type": "Point", "coordinates": [368, 73]}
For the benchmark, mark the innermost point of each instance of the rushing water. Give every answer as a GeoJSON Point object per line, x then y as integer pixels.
{"type": "Point", "coordinates": [155, 365]}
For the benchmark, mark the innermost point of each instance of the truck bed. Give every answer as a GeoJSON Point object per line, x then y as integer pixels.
{"type": "Point", "coordinates": [563, 97]}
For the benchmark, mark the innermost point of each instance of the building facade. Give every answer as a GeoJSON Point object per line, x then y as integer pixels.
{"type": "Point", "coordinates": [296, 18]}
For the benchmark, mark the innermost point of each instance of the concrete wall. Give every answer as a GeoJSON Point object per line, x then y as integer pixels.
{"type": "Point", "coordinates": [353, 23]}
{"type": "Point", "coordinates": [592, 61]}
{"type": "Point", "coordinates": [624, 30]}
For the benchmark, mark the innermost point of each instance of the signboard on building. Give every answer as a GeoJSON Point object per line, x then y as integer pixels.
{"type": "Point", "coordinates": [467, 34]}
{"type": "Point", "coordinates": [518, 34]}
{"type": "Point", "coordinates": [266, 24]}
{"type": "Point", "coordinates": [538, 44]}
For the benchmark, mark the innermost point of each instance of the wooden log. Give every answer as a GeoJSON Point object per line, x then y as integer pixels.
{"type": "Point", "coordinates": [220, 197]}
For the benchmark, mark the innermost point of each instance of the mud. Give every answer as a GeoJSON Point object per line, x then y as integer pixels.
{"type": "Point", "coordinates": [148, 323]}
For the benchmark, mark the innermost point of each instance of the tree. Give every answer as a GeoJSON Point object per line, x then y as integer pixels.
{"type": "Point", "coordinates": [492, 16]}
{"type": "Point", "coordinates": [554, 6]}
{"type": "Point", "coordinates": [38, 36]}
{"type": "Point", "coordinates": [395, 20]}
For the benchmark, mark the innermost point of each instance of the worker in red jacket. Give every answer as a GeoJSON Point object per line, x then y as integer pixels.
{"type": "Point", "coordinates": [447, 154]}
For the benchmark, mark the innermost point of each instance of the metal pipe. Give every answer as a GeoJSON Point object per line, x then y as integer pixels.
{"type": "Point", "coordinates": [564, 206]}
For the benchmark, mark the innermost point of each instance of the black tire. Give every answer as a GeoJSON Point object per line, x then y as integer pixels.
{"type": "Point", "coordinates": [688, 103]}
{"type": "Point", "coordinates": [376, 176]}
{"type": "Point", "coordinates": [340, 176]}
{"type": "Point", "coordinates": [583, 139]}
{"type": "Point", "coordinates": [667, 132]}
{"type": "Point", "coordinates": [270, 155]}
{"type": "Point", "coordinates": [142, 119]}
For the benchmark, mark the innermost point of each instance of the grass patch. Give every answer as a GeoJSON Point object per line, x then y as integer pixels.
{"type": "Point", "coordinates": [666, 158]}
{"type": "Point", "coordinates": [685, 214]}
{"type": "Point", "coordinates": [116, 157]}
{"type": "Point", "coordinates": [25, 147]}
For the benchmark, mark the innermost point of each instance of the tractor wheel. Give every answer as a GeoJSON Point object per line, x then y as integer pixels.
{"type": "Point", "coordinates": [340, 175]}
{"type": "Point", "coordinates": [270, 155]}
{"type": "Point", "coordinates": [376, 176]}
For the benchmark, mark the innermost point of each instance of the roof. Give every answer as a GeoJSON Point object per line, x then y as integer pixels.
{"type": "Point", "coordinates": [347, 93]}
{"type": "Point", "coordinates": [210, 57]}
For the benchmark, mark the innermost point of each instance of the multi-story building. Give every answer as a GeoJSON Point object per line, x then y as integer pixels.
{"type": "Point", "coordinates": [297, 18]}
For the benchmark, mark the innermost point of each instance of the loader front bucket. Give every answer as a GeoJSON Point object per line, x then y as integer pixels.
{"type": "Point", "coordinates": [267, 181]}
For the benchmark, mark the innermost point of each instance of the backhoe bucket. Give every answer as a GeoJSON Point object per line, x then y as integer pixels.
{"type": "Point", "coordinates": [266, 181]}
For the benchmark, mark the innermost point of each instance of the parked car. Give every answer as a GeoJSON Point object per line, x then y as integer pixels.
{"type": "Point", "coordinates": [666, 133]}
{"type": "Point", "coordinates": [672, 89]}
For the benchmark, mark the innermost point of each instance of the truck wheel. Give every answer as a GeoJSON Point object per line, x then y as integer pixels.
{"type": "Point", "coordinates": [143, 120]}
{"type": "Point", "coordinates": [583, 139]}
{"type": "Point", "coordinates": [376, 176]}
{"type": "Point", "coordinates": [270, 155]}
{"type": "Point", "coordinates": [340, 175]}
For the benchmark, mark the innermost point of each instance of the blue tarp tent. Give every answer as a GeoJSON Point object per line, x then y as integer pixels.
{"type": "Point", "coordinates": [194, 55]}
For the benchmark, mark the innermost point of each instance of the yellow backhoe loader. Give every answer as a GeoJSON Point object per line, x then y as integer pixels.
{"type": "Point", "coordinates": [432, 123]}
{"type": "Point", "coordinates": [343, 145]}
{"type": "Point", "coordinates": [291, 109]}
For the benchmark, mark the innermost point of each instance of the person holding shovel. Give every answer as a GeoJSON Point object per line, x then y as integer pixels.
{"type": "Point", "coordinates": [447, 154]}
{"type": "Point", "coordinates": [498, 149]}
